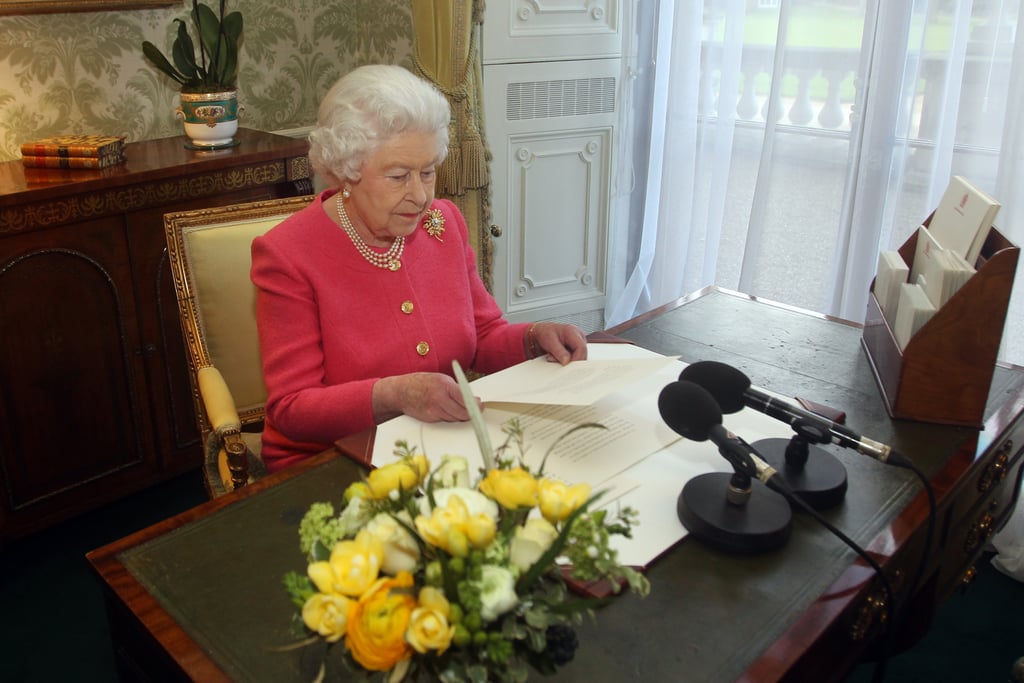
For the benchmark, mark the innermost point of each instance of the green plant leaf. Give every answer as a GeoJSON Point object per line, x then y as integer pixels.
{"type": "Point", "coordinates": [184, 53]}
{"type": "Point", "coordinates": [211, 38]}
{"type": "Point", "coordinates": [153, 54]}
{"type": "Point", "coordinates": [233, 25]}
{"type": "Point", "coordinates": [483, 438]}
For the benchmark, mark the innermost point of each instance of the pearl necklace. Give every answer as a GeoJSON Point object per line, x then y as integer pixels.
{"type": "Point", "coordinates": [389, 260]}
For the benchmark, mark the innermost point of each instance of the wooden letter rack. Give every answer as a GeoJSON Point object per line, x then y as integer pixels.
{"type": "Point", "coordinates": [944, 373]}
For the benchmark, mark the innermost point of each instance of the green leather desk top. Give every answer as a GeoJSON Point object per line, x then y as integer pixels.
{"type": "Point", "coordinates": [709, 616]}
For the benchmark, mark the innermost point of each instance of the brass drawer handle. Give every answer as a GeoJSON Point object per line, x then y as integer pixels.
{"type": "Point", "coordinates": [874, 611]}
{"type": "Point", "coordinates": [981, 530]}
{"type": "Point", "coordinates": [871, 612]}
{"type": "Point", "coordinates": [996, 470]}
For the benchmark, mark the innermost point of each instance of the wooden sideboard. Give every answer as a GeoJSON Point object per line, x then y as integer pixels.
{"type": "Point", "coordinates": [94, 393]}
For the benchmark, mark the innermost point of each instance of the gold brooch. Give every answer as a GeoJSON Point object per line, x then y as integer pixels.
{"type": "Point", "coordinates": [433, 222]}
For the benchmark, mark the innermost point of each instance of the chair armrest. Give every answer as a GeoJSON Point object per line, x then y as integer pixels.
{"type": "Point", "coordinates": [217, 399]}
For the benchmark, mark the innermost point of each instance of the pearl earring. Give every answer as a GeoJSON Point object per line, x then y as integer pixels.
{"type": "Point", "coordinates": [346, 193]}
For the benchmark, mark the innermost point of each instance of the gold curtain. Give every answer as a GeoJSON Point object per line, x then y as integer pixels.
{"type": "Point", "coordinates": [445, 53]}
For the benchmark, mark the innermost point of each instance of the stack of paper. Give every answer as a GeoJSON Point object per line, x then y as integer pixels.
{"type": "Point", "coordinates": [892, 272]}
{"type": "Point", "coordinates": [913, 311]}
{"type": "Point", "coordinates": [963, 217]}
{"type": "Point", "coordinates": [940, 272]}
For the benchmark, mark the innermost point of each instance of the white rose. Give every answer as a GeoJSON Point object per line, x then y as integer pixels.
{"type": "Point", "coordinates": [354, 517]}
{"type": "Point", "coordinates": [401, 553]}
{"type": "Point", "coordinates": [452, 472]}
{"type": "Point", "coordinates": [476, 502]}
{"type": "Point", "coordinates": [531, 541]}
{"type": "Point", "coordinates": [497, 592]}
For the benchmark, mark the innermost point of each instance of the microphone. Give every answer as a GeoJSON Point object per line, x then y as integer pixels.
{"type": "Point", "coordinates": [732, 389]}
{"type": "Point", "coordinates": [691, 411]}
{"type": "Point", "coordinates": [736, 512]}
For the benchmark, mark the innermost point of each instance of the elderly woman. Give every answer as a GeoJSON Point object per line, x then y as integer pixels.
{"type": "Point", "coordinates": [366, 296]}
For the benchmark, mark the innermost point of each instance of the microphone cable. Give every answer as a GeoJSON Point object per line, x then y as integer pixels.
{"type": "Point", "coordinates": [779, 484]}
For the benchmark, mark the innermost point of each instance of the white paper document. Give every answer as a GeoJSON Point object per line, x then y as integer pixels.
{"type": "Point", "coordinates": [576, 384]}
{"type": "Point", "coordinates": [633, 426]}
{"type": "Point", "coordinates": [636, 460]}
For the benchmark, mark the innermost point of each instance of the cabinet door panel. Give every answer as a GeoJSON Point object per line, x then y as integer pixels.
{"type": "Point", "coordinates": [551, 129]}
{"type": "Point", "coordinates": [70, 361]}
{"type": "Point", "coordinates": [528, 30]}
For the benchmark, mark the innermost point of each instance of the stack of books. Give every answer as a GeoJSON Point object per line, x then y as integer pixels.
{"type": "Point", "coordinates": [74, 151]}
{"type": "Point", "coordinates": [945, 257]}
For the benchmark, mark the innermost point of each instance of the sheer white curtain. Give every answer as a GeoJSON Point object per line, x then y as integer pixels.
{"type": "Point", "coordinates": [776, 146]}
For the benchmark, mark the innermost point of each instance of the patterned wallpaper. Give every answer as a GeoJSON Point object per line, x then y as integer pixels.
{"type": "Point", "coordinates": [85, 73]}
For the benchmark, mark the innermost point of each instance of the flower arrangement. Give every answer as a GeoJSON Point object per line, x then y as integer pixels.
{"type": "Point", "coordinates": [216, 68]}
{"type": "Point", "coordinates": [426, 574]}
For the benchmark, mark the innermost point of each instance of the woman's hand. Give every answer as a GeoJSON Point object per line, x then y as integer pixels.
{"type": "Point", "coordinates": [562, 343]}
{"type": "Point", "coordinates": [426, 396]}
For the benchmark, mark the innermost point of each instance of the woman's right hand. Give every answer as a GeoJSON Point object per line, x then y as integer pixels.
{"type": "Point", "coordinates": [426, 396]}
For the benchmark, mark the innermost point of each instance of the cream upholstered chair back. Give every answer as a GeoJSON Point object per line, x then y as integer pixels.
{"type": "Point", "coordinates": [209, 253]}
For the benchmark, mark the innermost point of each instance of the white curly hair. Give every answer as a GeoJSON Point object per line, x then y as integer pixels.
{"type": "Point", "coordinates": [366, 107]}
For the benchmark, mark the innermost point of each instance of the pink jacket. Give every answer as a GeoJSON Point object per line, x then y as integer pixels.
{"type": "Point", "coordinates": [331, 324]}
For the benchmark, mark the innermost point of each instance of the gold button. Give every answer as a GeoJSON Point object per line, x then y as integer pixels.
{"type": "Point", "coordinates": [407, 307]}
{"type": "Point", "coordinates": [423, 348]}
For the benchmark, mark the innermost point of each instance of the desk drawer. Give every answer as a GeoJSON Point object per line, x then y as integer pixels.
{"type": "Point", "coordinates": [981, 507]}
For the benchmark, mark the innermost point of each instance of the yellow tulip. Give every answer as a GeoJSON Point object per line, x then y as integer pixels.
{"type": "Point", "coordinates": [403, 475]}
{"type": "Point", "coordinates": [480, 530]}
{"type": "Point", "coordinates": [558, 501]}
{"type": "Point", "coordinates": [444, 528]}
{"type": "Point", "coordinates": [357, 489]}
{"type": "Point", "coordinates": [512, 489]}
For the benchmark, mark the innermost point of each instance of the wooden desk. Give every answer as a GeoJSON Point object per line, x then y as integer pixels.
{"type": "Point", "coordinates": [187, 598]}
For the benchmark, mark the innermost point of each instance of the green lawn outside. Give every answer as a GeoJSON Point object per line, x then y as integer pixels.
{"type": "Point", "coordinates": [832, 27]}
{"type": "Point", "coordinates": [824, 27]}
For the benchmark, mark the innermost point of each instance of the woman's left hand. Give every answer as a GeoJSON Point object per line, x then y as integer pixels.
{"type": "Point", "coordinates": [562, 343]}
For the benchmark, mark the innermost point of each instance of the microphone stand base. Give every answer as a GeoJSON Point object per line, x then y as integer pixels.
{"type": "Point", "coordinates": [820, 481]}
{"type": "Point", "coordinates": [761, 524]}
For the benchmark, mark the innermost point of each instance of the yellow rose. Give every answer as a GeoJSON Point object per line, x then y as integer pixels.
{"type": "Point", "coordinates": [377, 623]}
{"type": "Point", "coordinates": [512, 489]}
{"type": "Point", "coordinates": [327, 615]}
{"type": "Point", "coordinates": [403, 475]}
{"type": "Point", "coordinates": [530, 542]}
{"type": "Point", "coordinates": [558, 501]}
{"type": "Point", "coordinates": [430, 625]}
{"type": "Point", "coordinates": [445, 527]}
{"type": "Point", "coordinates": [352, 567]}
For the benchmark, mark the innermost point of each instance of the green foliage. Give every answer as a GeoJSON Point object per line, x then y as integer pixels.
{"type": "Point", "coordinates": [299, 588]}
{"type": "Point", "coordinates": [214, 66]}
{"type": "Point", "coordinates": [319, 528]}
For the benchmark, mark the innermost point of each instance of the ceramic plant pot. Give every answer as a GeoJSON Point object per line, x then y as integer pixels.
{"type": "Point", "coordinates": [211, 118]}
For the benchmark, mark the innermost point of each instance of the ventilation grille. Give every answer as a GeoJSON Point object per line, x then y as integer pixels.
{"type": "Point", "coordinates": [547, 99]}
